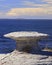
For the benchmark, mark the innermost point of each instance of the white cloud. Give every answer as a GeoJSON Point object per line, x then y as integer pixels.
{"type": "Point", "coordinates": [48, 1]}
{"type": "Point", "coordinates": [28, 3]}
{"type": "Point", "coordinates": [32, 9]}
{"type": "Point", "coordinates": [29, 11]}
{"type": "Point", "coordinates": [33, 4]}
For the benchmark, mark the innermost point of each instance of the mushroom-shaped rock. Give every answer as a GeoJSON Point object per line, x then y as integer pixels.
{"type": "Point", "coordinates": [26, 41]}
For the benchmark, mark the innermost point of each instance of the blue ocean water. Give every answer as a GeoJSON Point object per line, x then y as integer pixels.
{"type": "Point", "coordinates": [11, 25]}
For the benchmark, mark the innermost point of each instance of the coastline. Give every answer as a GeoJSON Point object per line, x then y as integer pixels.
{"type": "Point", "coordinates": [24, 58]}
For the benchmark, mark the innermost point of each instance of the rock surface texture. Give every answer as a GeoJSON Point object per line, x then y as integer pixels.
{"type": "Point", "coordinates": [21, 58]}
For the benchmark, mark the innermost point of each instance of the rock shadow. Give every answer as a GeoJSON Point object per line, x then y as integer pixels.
{"type": "Point", "coordinates": [47, 53]}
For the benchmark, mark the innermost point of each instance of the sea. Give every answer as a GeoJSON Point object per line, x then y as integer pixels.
{"type": "Point", "coordinates": [12, 25]}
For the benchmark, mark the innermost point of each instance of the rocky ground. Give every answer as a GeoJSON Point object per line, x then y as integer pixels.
{"type": "Point", "coordinates": [21, 58]}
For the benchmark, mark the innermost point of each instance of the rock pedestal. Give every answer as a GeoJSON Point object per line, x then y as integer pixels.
{"type": "Point", "coordinates": [28, 45]}
{"type": "Point", "coordinates": [26, 41]}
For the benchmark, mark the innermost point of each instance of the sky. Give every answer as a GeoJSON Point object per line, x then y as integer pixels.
{"type": "Point", "coordinates": [26, 9]}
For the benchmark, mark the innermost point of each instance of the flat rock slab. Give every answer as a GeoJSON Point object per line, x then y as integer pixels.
{"type": "Point", "coordinates": [19, 58]}
{"type": "Point", "coordinates": [24, 35]}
